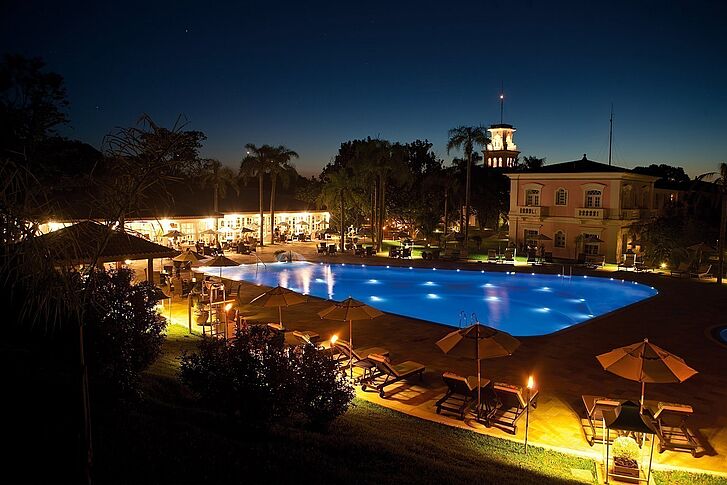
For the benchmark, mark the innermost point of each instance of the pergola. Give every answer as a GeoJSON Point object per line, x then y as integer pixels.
{"type": "Point", "coordinates": [88, 241]}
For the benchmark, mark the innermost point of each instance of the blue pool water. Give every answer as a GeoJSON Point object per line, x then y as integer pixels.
{"type": "Point", "coordinates": [521, 304]}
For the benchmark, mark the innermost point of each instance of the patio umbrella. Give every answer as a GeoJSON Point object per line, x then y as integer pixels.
{"type": "Point", "coordinates": [208, 232]}
{"type": "Point", "coordinates": [350, 310]}
{"type": "Point", "coordinates": [245, 229]}
{"type": "Point", "coordinates": [701, 248]}
{"type": "Point", "coordinates": [645, 362]}
{"type": "Point", "coordinates": [188, 256]}
{"type": "Point", "coordinates": [481, 342]}
{"type": "Point", "coordinates": [279, 297]}
{"type": "Point", "coordinates": [173, 233]}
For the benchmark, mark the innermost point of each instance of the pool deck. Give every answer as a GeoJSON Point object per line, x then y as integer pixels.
{"type": "Point", "coordinates": [563, 364]}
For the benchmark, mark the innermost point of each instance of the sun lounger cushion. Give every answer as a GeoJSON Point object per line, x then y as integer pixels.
{"type": "Point", "coordinates": [511, 388]}
{"type": "Point", "coordinates": [663, 407]}
{"type": "Point", "coordinates": [470, 382]}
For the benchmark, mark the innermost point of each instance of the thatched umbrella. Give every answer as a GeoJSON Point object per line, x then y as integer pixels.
{"type": "Point", "coordinates": [279, 297]}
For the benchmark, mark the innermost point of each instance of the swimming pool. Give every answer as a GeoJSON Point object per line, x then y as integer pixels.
{"type": "Point", "coordinates": [521, 304]}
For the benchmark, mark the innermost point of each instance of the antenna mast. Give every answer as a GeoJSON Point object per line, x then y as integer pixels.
{"type": "Point", "coordinates": [610, 135]}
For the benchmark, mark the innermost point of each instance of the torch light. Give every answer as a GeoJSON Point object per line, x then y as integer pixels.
{"type": "Point", "coordinates": [529, 387]}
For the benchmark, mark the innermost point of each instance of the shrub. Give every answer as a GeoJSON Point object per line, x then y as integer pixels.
{"type": "Point", "coordinates": [124, 334]}
{"type": "Point", "coordinates": [258, 379]}
{"type": "Point", "coordinates": [626, 452]}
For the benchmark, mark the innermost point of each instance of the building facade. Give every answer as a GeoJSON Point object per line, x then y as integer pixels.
{"type": "Point", "coordinates": [579, 209]}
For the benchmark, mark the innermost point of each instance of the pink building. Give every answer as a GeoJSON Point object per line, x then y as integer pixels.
{"type": "Point", "coordinates": [582, 207]}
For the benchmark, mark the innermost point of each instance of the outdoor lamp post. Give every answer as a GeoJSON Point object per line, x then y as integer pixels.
{"type": "Point", "coordinates": [529, 387]}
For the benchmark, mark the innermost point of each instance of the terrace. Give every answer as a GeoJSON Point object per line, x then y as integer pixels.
{"type": "Point", "coordinates": [563, 363]}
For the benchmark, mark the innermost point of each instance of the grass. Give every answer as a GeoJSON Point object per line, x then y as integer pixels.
{"type": "Point", "coordinates": [167, 438]}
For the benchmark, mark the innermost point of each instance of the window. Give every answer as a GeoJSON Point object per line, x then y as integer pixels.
{"type": "Point", "coordinates": [559, 241]}
{"type": "Point", "coordinates": [593, 198]}
{"type": "Point", "coordinates": [561, 197]}
{"type": "Point", "coordinates": [531, 237]}
{"type": "Point", "coordinates": [591, 248]}
{"type": "Point", "coordinates": [532, 197]}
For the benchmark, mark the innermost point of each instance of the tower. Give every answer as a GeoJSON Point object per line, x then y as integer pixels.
{"type": "Point", "coordinates": [501, 151]}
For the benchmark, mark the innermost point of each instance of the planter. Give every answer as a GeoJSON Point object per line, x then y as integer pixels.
{"type": "Point", "coordinates": [626, 470]}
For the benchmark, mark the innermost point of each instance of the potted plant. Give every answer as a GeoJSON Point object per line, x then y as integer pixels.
{"type": "Point", "coordinates": [625, 458]}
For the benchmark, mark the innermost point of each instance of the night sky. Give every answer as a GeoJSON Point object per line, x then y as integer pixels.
{"type": "Point", "coordinates": [311, 75]}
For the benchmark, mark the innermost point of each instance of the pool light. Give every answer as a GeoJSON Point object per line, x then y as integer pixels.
{"type": "Point", "coordinates": [432, 296]}
{"type": "Point", "coordinates": [376, 298]}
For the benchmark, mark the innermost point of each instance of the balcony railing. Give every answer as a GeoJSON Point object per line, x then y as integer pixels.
{"type": "Point", "coordinates": [631, 214]}
{"type": "Point", "coordinates": [589, 213]}
{"type": "Point", "coordinates": [532, 210]}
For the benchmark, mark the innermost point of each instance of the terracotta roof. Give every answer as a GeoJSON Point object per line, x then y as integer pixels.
{"type": "Point", "coordinates": [82, 242]}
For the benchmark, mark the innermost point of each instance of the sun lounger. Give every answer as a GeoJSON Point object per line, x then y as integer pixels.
{"type": "Point", "coordinates": [596, 261]}
{"type": "Point", "coordinates": [391, 373]}
{"type": "Point", "coordinates": [595, 407]}
{"type": "Point", "coordinates": [703, 271]}
{"type": "Point", "coordinates": [491, 256]}
{"type": "Point", "coordinates": [509, 256]}
{"type": "Point", "coordinates": [296, 338]}
{"type": "Point", "coordinates": [671, 427]}
{"type": "Point", "coordinates": [461, 393]}
{"type": "Point", "coordinates": [681, 270]}
{"type": "Point", "coordinates": [509, 405]}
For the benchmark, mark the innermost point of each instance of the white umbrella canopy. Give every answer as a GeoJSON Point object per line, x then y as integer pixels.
{"type": "Point", "coordinates": [188, 256]}
{"type": "Point", "coordinates": [479, 342]}
{"type": "Point", "coordinates": [208, 232]}
{"type": "Point", "coordinates": [350, 310]}
{"type": "Point", "coordinates": [279, 297]}
{"type": "Point", "coordinates": [173, 233]}
{"type": "Point", "coordinates": [644, 362]}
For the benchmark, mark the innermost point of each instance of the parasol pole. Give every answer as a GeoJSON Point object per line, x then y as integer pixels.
{"type": "Point", "coordinates": [641, 409]}
{"type": "Point", "coordinates": [280, 315]}
{"type": "Point", "coordinates": [479, 373]}
{"type": "Point", "coordinates": [350, 342]}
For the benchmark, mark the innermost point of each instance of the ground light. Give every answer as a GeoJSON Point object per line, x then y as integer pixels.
{"type": "Point", "coordinates": [529, 387]}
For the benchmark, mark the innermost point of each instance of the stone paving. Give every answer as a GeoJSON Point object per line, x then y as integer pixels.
{"type": "Point", "coordinates": [563, 363]}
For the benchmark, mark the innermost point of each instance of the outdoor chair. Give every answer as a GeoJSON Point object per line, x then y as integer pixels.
{"type": "Point", "coordinates": [509, 406]}
{"type": "Point", "coordinates": [369, 251]}
{"type": "Point", "coordinates": [509, 256]}
{"type": "Point", "coordinates": [406, 253]}
{"type": "Point", "coordinates": [671, 428]}
{"type": "Point", "coordinates": [452, 255]}
{"type": "Point", "coordinates": [332, 249]}
{"type": "Point", "coordinates": [322, 248]}
{"type": "Point", "coordinates": [491, 256]}
{"type": "Point", "coordinates": [595, 261]}
{"type": "Point", "coordinates": [360, 356]}
{"type": "Point", "coordinates": [390, 372]}
{"type": "Point", "coordinates": [595, 408]}
{"type": "Point", "coordinates": [702, 272]}
{"type": "Point", "coordinates": [360, 251]}
{"type": "Point", "coordinates": [461, 393]}
{"type": "Point", "coordinates": [296, 338]}
{"type": "Point", "coordinates": [680, 270]}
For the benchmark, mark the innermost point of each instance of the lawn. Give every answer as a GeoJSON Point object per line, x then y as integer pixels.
{"type": "Point", "coordinates": [167, 438]}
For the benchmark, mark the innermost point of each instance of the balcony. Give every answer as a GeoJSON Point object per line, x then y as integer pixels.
{"type": "Point", "coordinates": [630, 214]}
{"type": "Point", "coordinates": [590, 213]}
{"type": "Point", "coordinates": [532, 211]}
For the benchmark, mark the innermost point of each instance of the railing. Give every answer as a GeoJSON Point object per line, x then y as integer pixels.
{"type": "Point", "coordinates": [532, 210]}
{"type": "Point", "coordinates": [631, 214]}
{"type": "Point", "coordinates": [589, 213]}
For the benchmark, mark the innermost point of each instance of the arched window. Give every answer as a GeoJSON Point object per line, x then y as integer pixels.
{"type": "Point", "coordinates": [559, 240]}
{"type": "Point", "coordinates": [532, 197]}
{"type": "Point", "coordinates": [561, 197]}
{"type": "Point", "coordinates": [593, 198]}
{"type": "Point", "coordinates": [627, 197]}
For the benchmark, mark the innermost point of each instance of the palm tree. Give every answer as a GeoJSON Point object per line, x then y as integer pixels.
{"type": "Point", "coordinates": [465, 138]}
{"type": "Point", "coordinates": [279, 167]}
{"type": "Point", "coordinates": [721, 182]}
{"type": "Point", "coordinates": [256, 164]}
{"type": "Point", "coordinates": [219, 177]}
{"type": "Point", "coordinates": [337, 190]}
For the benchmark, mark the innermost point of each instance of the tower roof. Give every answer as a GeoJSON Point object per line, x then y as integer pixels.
{"type": "Point", "coordinates": [501, 125]}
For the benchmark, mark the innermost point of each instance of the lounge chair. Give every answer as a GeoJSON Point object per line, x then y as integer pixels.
{"type": "Point", "coordinates": [509, 405]}
{"type": "Point", "coordinates": [671, 427]}
{"type": "Point", "coordinates": [322, 248]}
{"type": "Point", "coordinates": [627, 263]}
{"type": "Point", "coordinates": [595, 261]}
{"type": "Point", "coordinates": [360, 250]}
{"type": "Point", "coordinates": [332, 249]}
{"type": "Point", "coordinates": [702, 272]}
{"type": "Point", "coordinates": [509, 256]}
{"type": "Point", "coordinates": [345, 353]}
{"type": "Point", "coordinates": [452, 255]}
{"type": "Point", "coordinates": [461, 393]}
{"type": "Point", "coordinates": [391, 373]}
{"type": "Point", "coordinates": [296, 338]}
{"type": "Point", "coordinates": [595, 407]}
{"type": "Point", "coordinates": [491, 256]}
{"type": "Point", "coordinates": [680, 270]}
{"type": "Point", "coordinates": [369, 251]}
{"type": "Point", "coordinates": [406, 253]}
